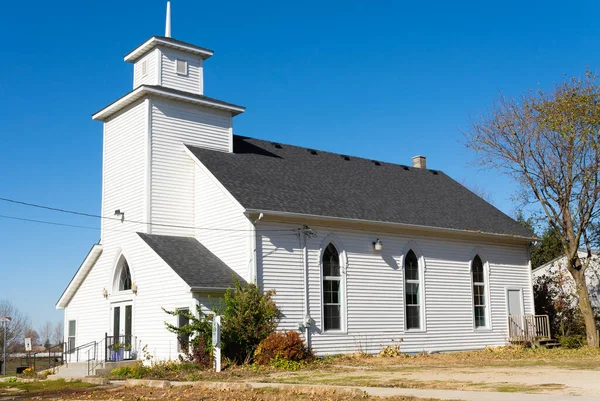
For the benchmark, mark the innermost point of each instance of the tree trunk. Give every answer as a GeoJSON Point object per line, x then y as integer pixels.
{"type": "Point", "coordinates": [585, 306]}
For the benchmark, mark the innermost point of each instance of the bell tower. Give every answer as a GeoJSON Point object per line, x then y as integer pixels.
{"type": "Point", "coordinates": [147, 173]}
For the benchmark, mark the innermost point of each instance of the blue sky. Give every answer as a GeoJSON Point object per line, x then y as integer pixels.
{"type": "Point", "coordinates": [378, 79]}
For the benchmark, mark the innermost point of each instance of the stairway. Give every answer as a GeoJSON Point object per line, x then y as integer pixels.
{"type": "Point", "coordinates": [72, 370]}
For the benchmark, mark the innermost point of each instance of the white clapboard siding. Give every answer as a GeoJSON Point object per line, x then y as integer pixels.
{"type": "Point", "coordinates": [172, 183]}
{"type": "Point", "coordinates": [124, 161]}
{"type": "Point", "coordinates": [374, 290]}
{"type": "Point", "coordinates": [124, 140]}
{"type": "Point", "coordinates": [151, 76]}
{"type": "Point", "coordinates": [158, 287]}
{"type": "Point", "coordinates": [192, 82]}
{"type": "Point", "coordinates": [227, 232]}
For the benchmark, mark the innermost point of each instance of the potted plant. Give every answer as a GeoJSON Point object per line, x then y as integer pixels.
{"type": "Point", "coordinates": [117, 352]}
{"type": "Point", "coordinates": [127, 353]}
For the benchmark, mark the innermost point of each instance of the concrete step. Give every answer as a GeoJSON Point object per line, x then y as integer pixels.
{"type": "Point", "coordinates": [72, 370]}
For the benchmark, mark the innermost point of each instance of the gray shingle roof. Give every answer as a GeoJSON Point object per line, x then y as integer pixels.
{"type": "Point", "coordinates": [192, 261]}
{"type": "Point", "coordinates": [266, 176]}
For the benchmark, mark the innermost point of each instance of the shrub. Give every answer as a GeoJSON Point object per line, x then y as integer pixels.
{"type": "Point", "coordinates": [281, 346]}
{"type": "Point", "coordinates": [572, 341]}
{"type": "Point", "coordinates": [199, 352]}
{"type": "Point", "coordinates": [392, 350]}
{"type": "Point", "coordinates": [247, 317]}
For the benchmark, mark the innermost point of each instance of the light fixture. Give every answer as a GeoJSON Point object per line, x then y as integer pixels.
{"type": "Point", "coordinates": [104, 293]}
{"type": "Point", "coordinates": [134, 288]}
{"type": "Point", "coordinates": [118, 212]}
{"type": "Point", "coordinates": [378, 245]}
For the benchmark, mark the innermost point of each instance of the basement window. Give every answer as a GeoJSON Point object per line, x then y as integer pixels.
{"type": "Point", "coordinates": [181, 67]}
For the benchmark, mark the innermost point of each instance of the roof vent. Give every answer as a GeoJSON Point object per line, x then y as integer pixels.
{"type": "Point", "coordinates": [277, 145]}
{"type": "Point", "coordinates": [312, 151]}
{"type": "Point", "coordinates": [405, 168]}
{"type": "Point", "coordinates": [375, 162]}
{"type": "Point", "coordinates": [434, 172]}
{"type": "Point", "coordinates": [345, 157]}
{"type": "Point", "coordinates": [419, 162]}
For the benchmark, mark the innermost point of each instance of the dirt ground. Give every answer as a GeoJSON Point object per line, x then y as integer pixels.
{"type": "Point", "coordinates": [527, 379]}
{"type": "Point", "coordinates": [186, 393]}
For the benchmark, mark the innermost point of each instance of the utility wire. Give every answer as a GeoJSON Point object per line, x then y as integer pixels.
{"type": "Point", "coordinates": [53, 223]}
{"type": "Point", "coordinates": [55, 209]}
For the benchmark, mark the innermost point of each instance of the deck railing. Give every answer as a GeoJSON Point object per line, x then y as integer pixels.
{"type": "Point", "coordinates": [528, 328]}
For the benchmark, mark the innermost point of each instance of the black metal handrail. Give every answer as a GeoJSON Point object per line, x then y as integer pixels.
{"type": "Point", "coordinates": [53, 360]}
{"type": "Point", "coordinates": [76, 350]}
{"type": "Point", "coordinates": [119, 348]}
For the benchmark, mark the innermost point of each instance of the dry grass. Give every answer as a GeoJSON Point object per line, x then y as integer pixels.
{"type": "Point", "coordinates": [204, 394]}
{"type": "Point", "coordinates": [333, 379]}
{"type": "Point", "coordinates": [582, 358]}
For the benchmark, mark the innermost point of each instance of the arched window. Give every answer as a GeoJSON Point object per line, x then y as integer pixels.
{"type": "Point", "coordinates": [124, 277]}
{"type": "Point", "coordinates": [332, 294]}
{"type": "Point", "coordinates": [479, 301]}
{"type": "Point", "coordinates": [412, 289]}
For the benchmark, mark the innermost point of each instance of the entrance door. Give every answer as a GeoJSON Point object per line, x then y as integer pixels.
{"type": "Point", "coordinates": [516, 322]}
{"type": "Point", "coordinates": [122, 318]}
{"type": "Point", "coordinates": [515, 303]}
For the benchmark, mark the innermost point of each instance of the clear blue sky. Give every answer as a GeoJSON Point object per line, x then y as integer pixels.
{"type": "Point", "coordinates": [384, 80]}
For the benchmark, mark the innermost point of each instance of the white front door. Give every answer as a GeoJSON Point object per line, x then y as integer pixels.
{"type": "Point", "coordinates": [515, 302]}
{"type": "Point", "coordinates": [122, 322]}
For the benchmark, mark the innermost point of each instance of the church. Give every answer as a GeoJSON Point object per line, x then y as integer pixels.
{"type": "Point", "coordinates": [361, 253]}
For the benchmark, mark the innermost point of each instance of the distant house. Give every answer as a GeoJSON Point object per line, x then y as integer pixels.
{"type": "Point", "coordinates": [563, 281]}
{"type": "Point", "coordinates": [360, 252]}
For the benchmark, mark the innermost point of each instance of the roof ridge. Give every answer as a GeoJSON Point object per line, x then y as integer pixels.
{"type": "Point", "coordinates": [332, 153]}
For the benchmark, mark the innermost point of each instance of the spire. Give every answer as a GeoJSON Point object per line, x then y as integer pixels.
{"type": "Point", "coordinates": [168, 22]}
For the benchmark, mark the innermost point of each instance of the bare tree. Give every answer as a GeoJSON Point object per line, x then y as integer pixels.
{"type": "Point", "coordinates": [59, 333]}
{"type": "Point", "coordinates": [478, 190]}
{"type": "Point", "coordinates": [549, 143]}
{"type": "Point", "coordinates": [31, 333]}
{"type": "Point", "coordinates": [15, 328]}
{"type": "Point", "coordinates": [46, 332]}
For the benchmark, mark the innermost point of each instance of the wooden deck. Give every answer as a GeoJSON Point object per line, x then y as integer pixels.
{"type": "Point", "coordinates": [528, 329]}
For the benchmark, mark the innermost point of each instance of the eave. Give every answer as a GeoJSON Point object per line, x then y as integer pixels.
{"type": "Point", "coordinates": [151, 90]}
{"type": "Point", "coordinates": [156, 41]}
{"type": "Point", "coordinates": [385, 226]}
{"type": "Point", "coordinates": [79, 276]}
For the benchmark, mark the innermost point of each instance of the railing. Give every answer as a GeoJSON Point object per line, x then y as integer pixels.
{"type": "Point", "coordinates": [76, 354]}
{"type": "Point", "coordinates": [54, 354]}
{"type": "Point", "coordinates": [528, 328]}
{"type": "Point", "coordinates": [120, 348]}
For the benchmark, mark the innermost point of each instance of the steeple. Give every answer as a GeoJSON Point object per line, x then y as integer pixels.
{"type": "Point", "coordinates": [170, 68]}
{"type": "Point", "coordinates": [168, 22]}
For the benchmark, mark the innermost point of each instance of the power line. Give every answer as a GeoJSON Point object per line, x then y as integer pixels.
{"type": "Point", "coordinates": [53, 223]}
{"type": "Point", "coordinates": [56, 209]}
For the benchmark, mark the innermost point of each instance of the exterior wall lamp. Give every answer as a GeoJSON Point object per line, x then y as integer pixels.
{"type": "Point", "coordinates": [378, 245]}
{"type": "Point", "coordinates": [121, 214]}
{"type": "Point", "coordinates": [104, 293]}
{"type": "Point", "coordinates": [134, 288]}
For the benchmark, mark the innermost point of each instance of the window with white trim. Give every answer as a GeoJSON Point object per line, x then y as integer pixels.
{"type": "Point", "coordinates": [479, 298]}
{"type": "Point", "coordinates": [183, 341]}
{"type": "Point", "coordinates": [71, 336]}
{"type": "Point", "coordinates": [181, 67]}
{"type": "Point", "coordinates": [332, 289]}
{"type": "Point", "coordinates": [412, 290]}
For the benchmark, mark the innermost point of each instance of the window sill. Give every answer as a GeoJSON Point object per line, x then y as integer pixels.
{"type": "Point", "coordinates": [408, 331]}
{"type": "Point", "coordinates": [482, 329]}
{"type": "Point", "coordinates": [334, 332]}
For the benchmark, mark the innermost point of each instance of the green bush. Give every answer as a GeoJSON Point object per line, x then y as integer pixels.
{"type": "Point", "coordinates": [573, 341]}
{"type": "Point", "coordinates": [279, 347]}
{"type": "Point", "coordinates": [248, 316]}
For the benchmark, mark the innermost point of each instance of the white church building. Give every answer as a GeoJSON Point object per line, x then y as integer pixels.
{"type": "Point", "coordinates": [360, 252]}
